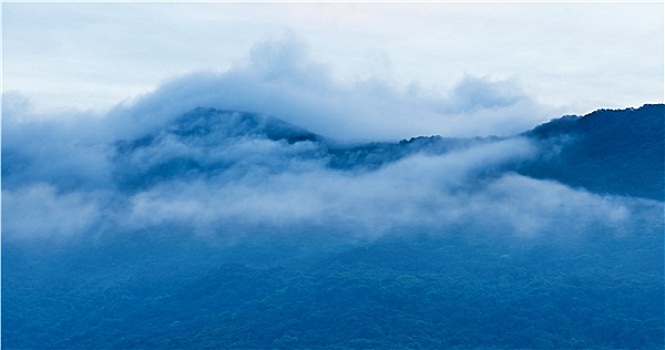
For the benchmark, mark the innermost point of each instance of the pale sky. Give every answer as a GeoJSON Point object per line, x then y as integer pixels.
{"type": "Point", "coordinates": [569, 57]}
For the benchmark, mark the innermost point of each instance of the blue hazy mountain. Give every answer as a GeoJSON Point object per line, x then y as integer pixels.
{"type": "Point", "coordinates": [201, 132]}
{"type": "Point", "coordinates": [206, 131]}
{"type": "Point", "coordinates": [607, 151]}
{"type": "Point", "coordinates": [338, 284]}
{"type": "Point", "coordinates": [618, 152]}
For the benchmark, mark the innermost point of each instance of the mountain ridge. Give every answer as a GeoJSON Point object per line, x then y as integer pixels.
{"type": "Point", "coordinates": [607, 151]}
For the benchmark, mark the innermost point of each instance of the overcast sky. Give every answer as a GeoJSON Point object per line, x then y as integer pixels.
{"type": "Point", "coordinates": [565, 57]}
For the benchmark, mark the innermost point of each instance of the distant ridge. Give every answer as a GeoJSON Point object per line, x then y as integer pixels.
{"type": "Point", "coordinates": [607, 151]}
{"type": "Point", "coordinates": [620, 152]}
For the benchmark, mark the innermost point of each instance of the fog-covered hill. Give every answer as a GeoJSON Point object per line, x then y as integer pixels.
{"type": "Point", "coordinates": [617, 152]}
{"type": "Point", "coordinates": [228, 229]}
{"type": "Point", "coordinates": [607, 151]}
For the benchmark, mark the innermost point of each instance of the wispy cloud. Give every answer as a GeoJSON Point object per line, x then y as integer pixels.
{"type": "Point", "coordinates": [221, 180]}
{"type": "Point", "coordinates": [279, 78]}
{"type": "Point", "coordinates": [225, 181]}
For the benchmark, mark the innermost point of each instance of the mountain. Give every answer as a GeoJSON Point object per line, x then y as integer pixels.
{"type": "Point", "coordinates": [608, 151]}
{"type": "Point", "coordinates": [208, 141]}
{"type": "Point", "coordinates": [620, 152]}
{"type": "Point", "coordinates": [200, 142]}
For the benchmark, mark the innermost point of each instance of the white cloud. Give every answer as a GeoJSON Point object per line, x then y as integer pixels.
{"type": "Point", "coordinates": [279, 78]}
{"type": "Point", "coordinates": [421, 193]}
{"type": "Point", "coordinates": [246, 184]}
{"type": "Point", "coordinates": [277, 188]}
{"type": "Point", "coordinates": [39, 212]}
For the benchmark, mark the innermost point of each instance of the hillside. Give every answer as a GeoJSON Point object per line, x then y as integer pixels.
{"type": "Point", "coordinates": [608, 151]}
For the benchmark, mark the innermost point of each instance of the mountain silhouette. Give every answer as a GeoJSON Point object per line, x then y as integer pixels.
{"type": "Point", "coordinates": [618, 152]}
{"type": "Point", "coordinates": [607, 151]}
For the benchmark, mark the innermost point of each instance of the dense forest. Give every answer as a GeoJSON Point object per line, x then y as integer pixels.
{"type": "Point", "coordinates": [426, 292]}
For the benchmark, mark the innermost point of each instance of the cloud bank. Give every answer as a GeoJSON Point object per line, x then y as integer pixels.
{"type": "Point", "coordinates": [279, 78]}
{"type": "Point", "coordinates": [146, 167]}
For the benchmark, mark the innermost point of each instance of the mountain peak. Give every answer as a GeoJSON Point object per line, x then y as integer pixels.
{"type": "Point", "coordinates": [202, 122]}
